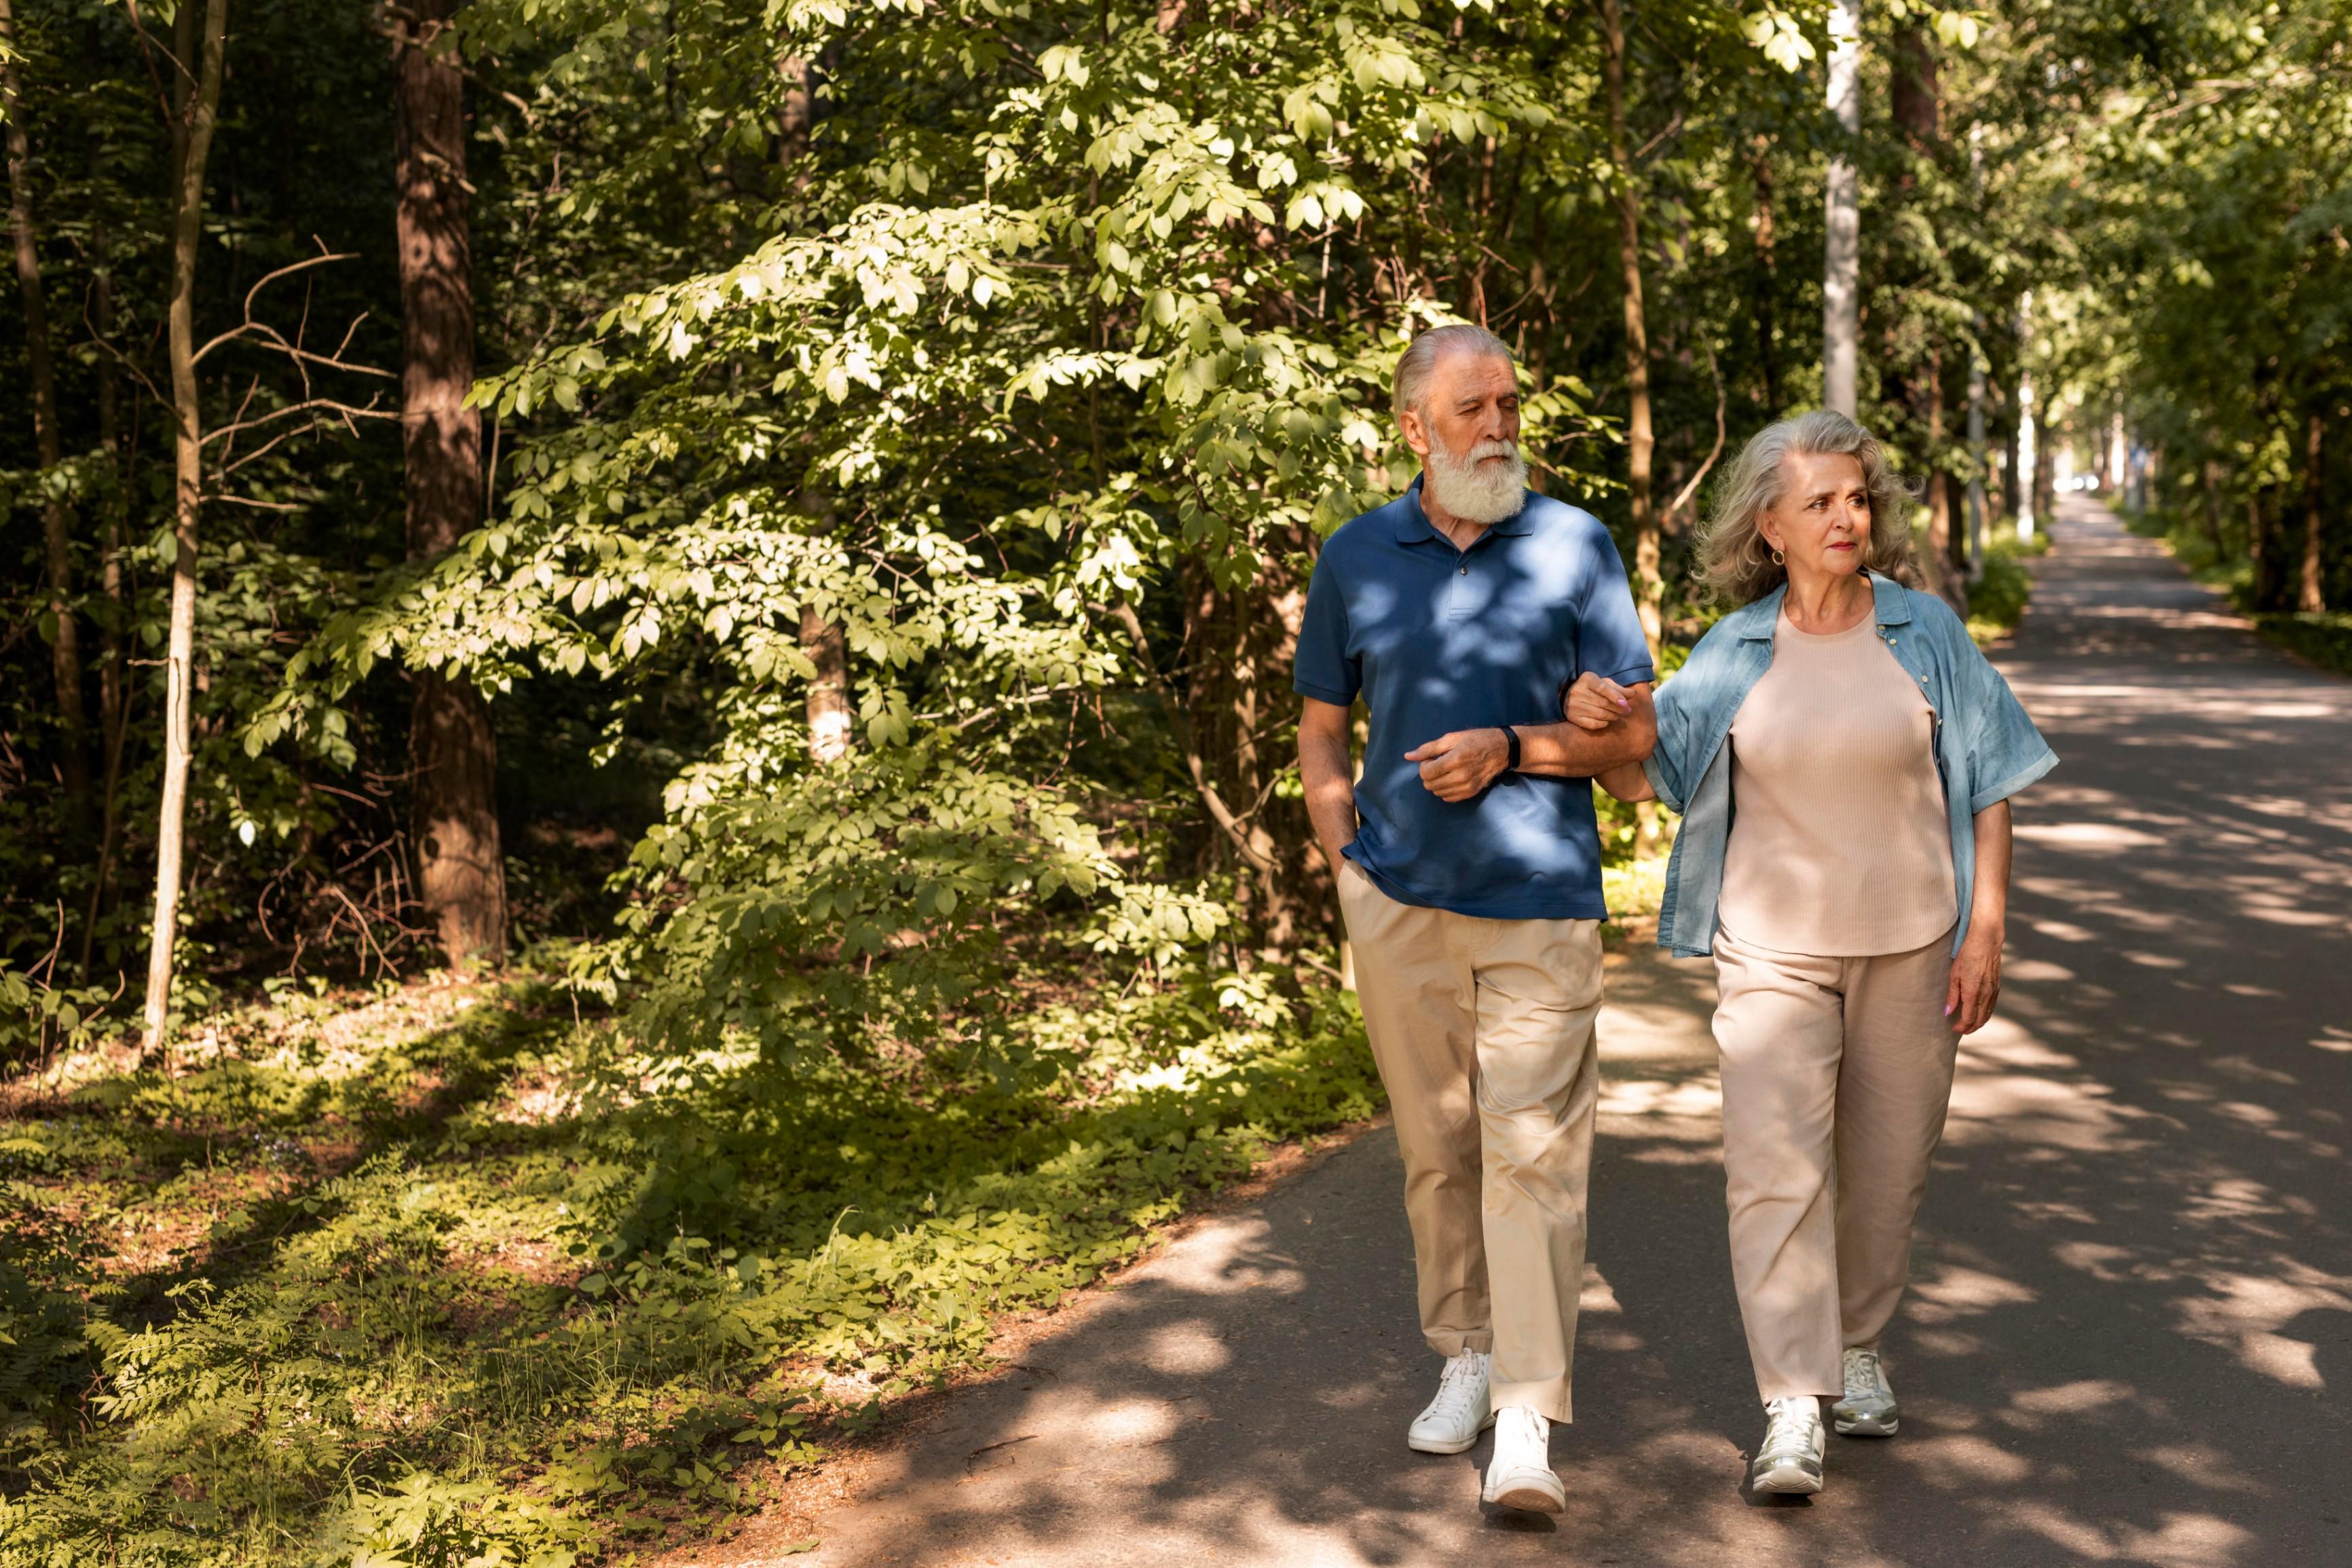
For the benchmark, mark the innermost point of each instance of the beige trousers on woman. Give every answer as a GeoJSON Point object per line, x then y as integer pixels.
{"type": "Point", "coordinates": [1837, 1073]}
{"type": "Point", "coordinates": [1483, 1031]}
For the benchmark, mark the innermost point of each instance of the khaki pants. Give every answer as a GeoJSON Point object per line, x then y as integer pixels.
{"type": "Point", "coordinates": [1837, 1073]}
{"type": "Point", "coordinates": [1483, 1031]}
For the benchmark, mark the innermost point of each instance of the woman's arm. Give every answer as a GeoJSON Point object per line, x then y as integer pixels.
{"type": "Point", "coordinates": [1976, 969]}
{"type": "Point", "coordinates": [1628, 782]}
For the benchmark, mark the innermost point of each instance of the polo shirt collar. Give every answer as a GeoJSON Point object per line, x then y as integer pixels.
{"type": "Point", "coordinates": [1414, 526]}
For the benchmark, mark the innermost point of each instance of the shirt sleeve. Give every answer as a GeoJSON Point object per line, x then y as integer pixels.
{"type": "Point", "coordinates": [2006, 753]}
{"type": "Point", "coordinates": [1609, 640]}
{"type": "Point", "coordinates": [1327, 668]}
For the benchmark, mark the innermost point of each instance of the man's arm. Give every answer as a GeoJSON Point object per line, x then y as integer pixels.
{"type": "Point", "coordinates": [1330, 781]}
{"type": "Point", "coordinates": [1458, 765]}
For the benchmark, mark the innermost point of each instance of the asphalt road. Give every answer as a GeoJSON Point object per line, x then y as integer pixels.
{"type": "Point", "coordinates": [2129, 1339]}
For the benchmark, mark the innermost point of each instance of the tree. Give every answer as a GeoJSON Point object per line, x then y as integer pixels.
{"type": "Point", "coordinates": [1841, 275]}
{"type": "Point", "coordinates": [1649, 587]}
{"type": "Point", "coordinates": [197, 107]}
{"type": "Point", "coordinates": [461, 873]}
{"type": "Point", "coordinates": [57, 516]}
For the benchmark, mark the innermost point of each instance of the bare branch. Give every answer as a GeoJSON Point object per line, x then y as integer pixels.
{"type": "Point", "coordinates": [345, 411]}
{"type": "Point", "coordinates": [1691, 489]}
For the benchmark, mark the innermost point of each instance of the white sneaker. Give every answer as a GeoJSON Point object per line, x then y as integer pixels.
{"type": "Point", "coordinates": [1520, 1475]}
{"type": "Point", "coordinates": [1868, 1409]}
{"type": "Point", "coordinates": [1460, 1412]}
{"type": "Point", "coordinates": [1790, 1457]}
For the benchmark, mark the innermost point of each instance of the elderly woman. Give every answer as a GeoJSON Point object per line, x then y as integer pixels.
{"type": "Point", "coordinates": [1843, 757]}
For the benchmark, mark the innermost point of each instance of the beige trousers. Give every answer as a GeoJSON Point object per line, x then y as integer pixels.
{"type": "Point", "coordinates": [1836, 1076]}
{"type": "Point", "coordinates": [1483, 1031]}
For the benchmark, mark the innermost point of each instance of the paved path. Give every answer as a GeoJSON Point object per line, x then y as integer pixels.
{"type": "Point", "coordinates": [2130, 1337]}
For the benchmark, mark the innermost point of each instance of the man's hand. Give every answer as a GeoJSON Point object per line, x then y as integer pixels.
{"type": "Point", "coordinates": [1456, 766]}
{"type": "Point", "coordinates": [1975, 984]}
{"type": "Point", "coordinates": [1596, 703]}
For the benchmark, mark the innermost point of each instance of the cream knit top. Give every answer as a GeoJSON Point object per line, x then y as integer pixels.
{"type": "Point", "coordinates": [1839, 845]}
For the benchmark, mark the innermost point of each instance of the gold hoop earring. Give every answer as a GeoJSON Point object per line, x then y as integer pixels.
{"type": "Point", "coordinates": [1779, 559]}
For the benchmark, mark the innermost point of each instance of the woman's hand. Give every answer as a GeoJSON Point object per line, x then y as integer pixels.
{"type": "Point", "coordinates": [1975, 984]}
{"type": "Point", "coordinates": [1595, 703]}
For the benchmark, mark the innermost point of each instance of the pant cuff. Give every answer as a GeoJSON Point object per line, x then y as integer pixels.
{"type": "Point", "coordinates": [1450, 1344]}
{"type": "Point", "coordinates": [1548, 1398]}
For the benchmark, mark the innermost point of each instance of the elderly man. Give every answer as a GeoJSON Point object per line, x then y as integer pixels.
{"type": "Point", "coordinates": [1469, 872]}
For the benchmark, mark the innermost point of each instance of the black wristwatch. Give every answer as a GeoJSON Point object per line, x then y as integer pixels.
{"type": "Point", "coordinates": [1511, 737]}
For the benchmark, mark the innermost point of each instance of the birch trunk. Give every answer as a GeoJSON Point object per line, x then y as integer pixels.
{"type": "Point", "coordinates": [192, 140]}
{"type": "Point", "coordinates": [1842, 274]}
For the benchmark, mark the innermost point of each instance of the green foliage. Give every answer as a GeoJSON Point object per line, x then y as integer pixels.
{"type": "Point", "coordinates": [509, 1288]}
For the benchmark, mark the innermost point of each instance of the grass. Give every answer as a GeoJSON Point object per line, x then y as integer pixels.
{"type": "Point", "coordinates": [2322, 636]}
{"type": "Point", "coordinates": [449, 1276]}
{"type": "Point", "coordinates": [1996, 599]}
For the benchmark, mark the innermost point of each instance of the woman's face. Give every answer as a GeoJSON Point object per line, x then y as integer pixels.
{"type": "Point", "coordinates": [1821, 522]}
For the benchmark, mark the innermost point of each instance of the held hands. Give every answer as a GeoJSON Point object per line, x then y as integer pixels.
{"type": "Point", "coordinates": [1595, 703]}
{"type": "Point", "coordinates": [1975, 984]}
{"type": "Point", "coordinates": [1455, 767]}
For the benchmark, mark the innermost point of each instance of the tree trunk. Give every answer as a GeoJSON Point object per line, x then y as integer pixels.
{"type": "Point", "coordinates": [2262, 551]}
{"type": "Point", "coordinates": [1977, 458]}
{"type": "Point", "coordinates": [1237, 641]}
{"type": "Point", "coordinates": [832, 717]}
{"type": "Point", "coordinates": [2312, 596]}
{"type": "Point", "coordinates": [192, 145]}
{"type": "Point", "coordinates": [113, 671]}
{"type": "Point", "coordinates": [1944, 564]}
{"type": "Point", "coordinates": [1649, 587]}
{"type": "Point", "coordinates": [2029, 447]}
{"type": "Point", "coordinates": [1842, 274]}
{"type": "Point", "coordinates": [2208, 481]}
{"type": "Point", "coordinates": [461, 875]}
{"type": "Point", "coordinates": [56, 518]}
{"type": "Point", "coordinates": [1767, 280]}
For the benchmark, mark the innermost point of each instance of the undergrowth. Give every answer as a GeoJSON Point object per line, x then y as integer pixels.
{"type": "Point", "coordinates": [480, 1287]}
{"type": "Point", "coordinates": [2322, 636]}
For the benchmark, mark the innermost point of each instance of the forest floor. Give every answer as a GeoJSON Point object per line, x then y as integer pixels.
{"type": "Point", "coordinates": [2132, 1293]}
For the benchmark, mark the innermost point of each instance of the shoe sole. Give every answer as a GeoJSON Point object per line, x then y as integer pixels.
{"type": "Point", "coordinates": [1868, 1426]}
{"type": "Point", "coordinates": [1530, 1500]}
{"type": "Point", "coordinates": [1421, 1446]}
{"type": "Point", "coordinates": [1784, 1481]}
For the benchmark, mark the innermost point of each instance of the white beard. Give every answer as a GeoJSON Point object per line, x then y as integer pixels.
{"type": "Point", "coordinates": [1475, 487]}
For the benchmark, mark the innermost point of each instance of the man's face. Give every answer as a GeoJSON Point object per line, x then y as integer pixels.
{"type": "Point", "coordinates": [1470, 398]}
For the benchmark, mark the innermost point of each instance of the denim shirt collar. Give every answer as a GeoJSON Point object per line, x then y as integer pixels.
{"type": "Point", "coordinates": [1755, 623]}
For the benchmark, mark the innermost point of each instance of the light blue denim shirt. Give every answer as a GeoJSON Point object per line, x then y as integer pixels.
{"type": "Point", "coordinates": [1986, 748]}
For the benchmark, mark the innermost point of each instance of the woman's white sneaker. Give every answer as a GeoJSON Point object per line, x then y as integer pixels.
{"type": "Point", "coordinates": [1790, 1461]}
{"type": "Point", "coordinates": [1454, 1420]}
{"type": "Point", "coordinates": [1868, 1409]}
{"type": "Point", "coordinates": [1520, 1475]}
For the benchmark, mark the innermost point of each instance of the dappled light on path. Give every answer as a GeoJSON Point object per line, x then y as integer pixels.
{"type": "Point", "coordinates": [2130, 1335]}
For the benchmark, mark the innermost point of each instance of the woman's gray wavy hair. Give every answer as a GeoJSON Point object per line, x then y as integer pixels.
{"type": "Point", "coordinates": [1735, 563]}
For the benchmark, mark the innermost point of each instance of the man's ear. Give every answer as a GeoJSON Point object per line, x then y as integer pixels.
{"type": "Point", "coordinates": [1415, 431]}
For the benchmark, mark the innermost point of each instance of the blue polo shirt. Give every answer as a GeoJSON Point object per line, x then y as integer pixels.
{"type": "Point", "coordinates": [1437, 639]}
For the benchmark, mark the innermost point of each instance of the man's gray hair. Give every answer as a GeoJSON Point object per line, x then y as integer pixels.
{"type": "Point", "coordinates": [1422, 354]}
